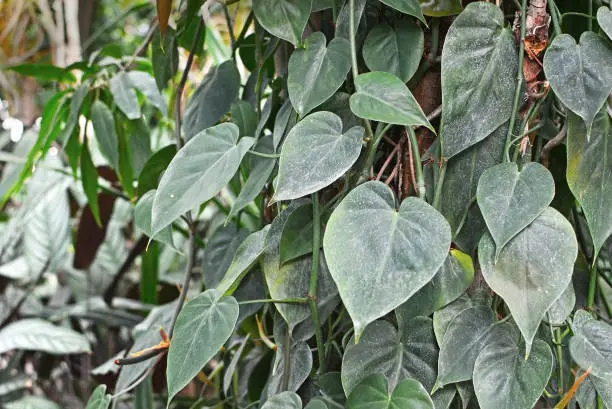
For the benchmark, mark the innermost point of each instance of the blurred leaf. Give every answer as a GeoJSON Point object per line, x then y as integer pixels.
{"type": "Point", "coordinates": [284, 400]}
{"type": "Point", "coordinates": [164, 8]}
{"type": "Point", "coordinates": [99, 399]}
{"type": "Point", "coordinates": [106, 134]}
{"type": "Point", "coordinates": [164, 56]}
{"type": "Point", "coordinates": [124, 94]}
{"type": "Point", "coordinates": [32, 402]}
{"type": "Point", "coordinates": [45, 72]}
{"type": "Point", "coordinates": [38, 335]}
{"type": "Point", "coordinates": [89, 180]}
{"type": "Point", "coordinates": [145, 83]}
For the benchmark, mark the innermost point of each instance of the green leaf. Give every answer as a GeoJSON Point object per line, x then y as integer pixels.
{"type": "Point", "coordinates": [284, 400]}
{"type": "Point", "coordinates": [397, 51]}
{"type": "Point", "coordinates": [379, 257]}
{"type": "Point", "coordinates": [212, 99]}
{"type": "Point", "coordinates": [245, 257]}
{"type": "Point", "coordinates": [604, 18]}
{"type": "Point", "coordinates": [445, 316]}
{"type": "Point", "coordinates": [231, 368]}
{"type": "Point", "coordinates": [106, 134]}
{"type": "Point", "coordinates": [561, 309]}
{"type": "Point", "coordinates": [33, 334]}
{"type": "Point", "coordinates": [510, 200]}
{"type": "Point", "coordinates": [99, 399]}
{"type": "Point", "coordinates": [452, 279]}
{"type": "Point", "coordinates": [589, 173]}
{"type": "Point", "coordinates": [146, 84]}
{"type": "Point", "coordinates": [164, 57]}
{"type": "Point", "coordinates": [316, 404]}
{"type": "Point", "coordinates": [373, 393]}
{"type": "Point", "coordinates": [244, 116]}
{"type": "Point", "coordinates": [285, 19]}
{"type": "Point", "coordinates": [89, 180]}
{"type": "Point", "coordinates": [504, 379]}
{"type": "Point", "coordinates": [315, 154]}
{"type": "Point", "coordinates": [198, 172]}
{"type": "Point", "coordinates": [579, 74]}
{"type": "Point", "coordinates": [219, 253]}
{"type": "Point", "coordinates": [154, 168]}
{"type": "Point", "coordinates": [316, 71]}
{"type": "Point", "coordinates": [479, 66]}
{"type": "Point", "coordinates": [409, 353]}
{"type": "Point", "coordinates": [296, 240]}
{"type": "Point", "coordinates": [202, 327]}
{"type": "Point", "coordinates": [410, 7]}
{"type": "Point", "coordinates": [142, 220]}
{"type": "Point", "coordinates": [139, 144]}
{"type": "Point", "coordinates": [591, 346]}
{"type": "Point", "coordinates": [286, 118]}
{"type": "Point", "coordinates": [532, 270]}
{"type": "Point", "coordinates": [441, 8]}
{"type": "Point", "coordinates": [339, 105]}
{"type": "Point", "coordinates": [31, 402]}
{"type": "Point", "coordinates": [343, 21]}
{"type": "Point", "coordinates": [124, 95]}
{"type": "Point", "coordinates": [385, 98]}
{"type": "Point", "coordinates": [45, 72]}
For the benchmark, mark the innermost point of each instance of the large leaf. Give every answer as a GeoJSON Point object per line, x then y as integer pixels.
{"type": "Point", "coordinates": [37, 335]}
{"type": "Point", "coordinates": [142, 219]}
{"type": "Point", "coordinates": [315, 154]}
{"type": "Point", "coordinates": [589, 172]}
{"type": "Point", "coordinates": [383, 97]}
{"type": "Point", "coordinates": [604, 18]}
{"type": "Point", "coordinates": [284, 400]}
{"type": "Point", "coordinates": [396, 50]}
{"type": "Point", "coordinates": [479, 66]}
{"type": "Point", "coordinates": [316, 71]}
{"type": "Point", "coordinates": [591, 345]}
{"type": "Point", "coordinates": [219, 253]}
{"type": "Point", "coordinates": [451, 280]}
{"type": "Point", "coordinates": [198, 172]}
{"type": "Point", "coordinates": [106, 134]}
{"type": "Point", "coordinates": [510, 199]}
{"type": "Point", "coordinates": [378, 256]}
{"type": "Point", "coordinates": [532, 270]}
{"type": "Point", "coordinates": [409, 353]}
{"type": "Point", "coordinates": [504, 379]}
{"type": "Point", "coordinates": [99, 399]}
{"type": "Point", "coordinates": [124, 95]}
{"type": "Point", "coordinates": [441, 8]}
{"type": "Point", "coordinates": [411, 7]}
{"type": "Point", "coordinates": [580, 75]}
{"type": "Point", "coordinates": [202, 327]}
{"type": "Point", "coordinates": [372, 393]}
{"type": "Point", "coordinates": [212, 99]}
{"type": "Point", "coordinates": [285, 19]}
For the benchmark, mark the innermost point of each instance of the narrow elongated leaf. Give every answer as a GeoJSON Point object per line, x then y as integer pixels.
{"type": "Point", "coordinates": [45, 72]}
{"type": "Point", "coordinates": [164, 56]}
{"type": "Point", "coordinates": [219, 253]}
{"type": "Point", "coordinates": [142, 219]}
{"type": "Point", "coordinates": [411, 353]}
{"type": "Point", "coordinates": [198, 172]}
{"type": "Point", "coordinates": [164, 8]}
{"type": "Point", "coordinates": [124, 95]}
{"type": "Point", "coordinates": [397, 50]}
{"type": "Point", "coordinates": [245, 117]}
{"type": "Point", "coordinates": [285, 19]}
{"type": "Point", "coordinates": [532, 270]}
{"type": "Point", "coordinates": [591, 346]}
{"type": "Point", "coordinates": [510, 199]}
{"type": "Point", "coordinates": [504, 379]}
{"type": "Point", "coordinates": [284, 400]}
{"type": "Point", "coordinates": [372, 393]}
{"type": "Point", "coordinates": [410, 7]}
{"type": "Point", "coordinates": [99, 399]}
{"type": "Point", "coordinates": [89, 180]}
{"type": "Point", "coordinates": [589, 173]}
{"type": "Point", "coordinates": [315, 154]}
{"type": "Point", "coordinates": [202, 327]}
{"type": "Point", "coordinates": [378, 256]}
{"type": "Point", "coordinates": [316, 71]}
{"type": "Point", "coordinates": [604, 18]}
{"type": "Point", "coordinates": [212, 99]}
{"type": "Point", "coordinates": [106, 134]}
{"type": "Point", "coordinates": [146, 84]}
{"type": "Point", "coordinates": [37, 335]}
{"type": "Point", "coordinates": [441, 8]}
{"type": "Point", "coordinates": [479, 66]}
{"type": "Point", "coordinates": [229, 372]}
{"type": "Point", "coordinates": [383, 97]}
{"type": "Point", "coordinates": [580, 74]}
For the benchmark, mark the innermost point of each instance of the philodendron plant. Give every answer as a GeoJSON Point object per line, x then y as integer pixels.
{"type": "Point", "coordinates": [375, 203]}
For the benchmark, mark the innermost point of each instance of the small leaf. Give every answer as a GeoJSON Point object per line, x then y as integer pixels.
{"type": "Point", "coordinates": [385, 98]}
{"type": "Point", "coordinates": [591, 347]}
{"type": "Point", "coordinates": [580, 74]}
{"type": "Point", "coordinates": [315, 154]}
{"type": "Point", "coordinates": [316, 71]}
{"type": "Point", "coordinates": [504, 379]}
{"type": "Point", "coordinates": [146, 84]}
{"type": "Point", "coordinates": [532, 270]}
{"type": "Point", "coordinates": [45, 72]}
{"type": "Point", "coordinates": [154, 168]}
{"type": "Point", "coordinates": [410, 7]}
{"type": "Point", "coordinates": [106, 134]}
{"type": "Point", "coordinates": [202, 327]}
{"type": "Point", "coordinates": [99, 399]}
{"type": "Point", "coordinates": [284, 400]}
{"type": "Point", "coordinates": [164, 8]}
{"type": "Point", "coordinates": [124, 95]}
{"type": "Point", "coordinates": [397, 51]}
{"type": "Point", "coordinates": [285, 19]}
{"type": "Point", "coordinates": [142, 220]}
{"type": "Point", "coordinates": [604, 18]}
{"type": "Point", "coordinates": [34, 334]}
{"type": "Point", "coordinates": [378, 256]}
{"type": "Point", "coordinates": [373, 393]}
{"type": "Point", "coordinates": [198, 172]}
{"type": "Point", "coordinates": [510, 199]}
{"type": "Point", "coordinates": [441, 8]}
{"type": "Point", "coordinates": [89, 180]}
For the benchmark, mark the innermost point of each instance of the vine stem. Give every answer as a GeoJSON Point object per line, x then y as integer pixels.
{"type": "Point", "coordinates": [417, 163]}
{"type": "Point", "coordinates": [519, 83]}
{"type": "Point", "coordinates": [314, 272]}
{"type": "Point", "coordinates": [590, 23]}
{"type": "Point", "coordinates": [592, 283]}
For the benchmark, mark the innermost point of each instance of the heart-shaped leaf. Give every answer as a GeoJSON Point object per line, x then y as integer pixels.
{"type": "Point", "coordinates": [99, 399]}
{"type": "Point", "coordinates": [316, 71]}
{"type": "Point", "coordinates": [315, 154]}
{"type": "Point", "coordinates": [285, 19]}
{"type": "Point", "coordinates": [198, 172]}
{"type": "Point", "coordinates": [372, 393]}
{"type": "Point", "coordinates": [510, 200]}
{"type": "Point", "coordinates": [284, 400]}
{"type": "Point", "coordinates": [589, 173]}
{"type": "Point", "coordinates": [580, 75]}
{"type": "Point", "coordinates": [397, 50]}
{"type": "Point", "coordinates": [385, 98]}
{"type": "Point", "coordinates": [591, 345]}
{"type": "Point", "coordinates": [378, 256]}
{"type": "Point", "coordinates": [441, 8]}
{"type": "Point", "coordinates": [202, 327]}
{"type": "Point", "coordinates": [479, 66]}
{"type": "Point", "coordinates": [142, 219]}
{"type": "Point", "coordinates": [504, 379]}
{"type": "Point", "coordinates": [409, 353]}
{"type": "Point", "coordinates": [532, 270]}
{"type": "Point", "coordinates": [410, 7]}
{"type": "Point", "coordinates": [604, 18]}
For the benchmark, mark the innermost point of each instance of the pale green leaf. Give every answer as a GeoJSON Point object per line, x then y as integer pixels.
{"type": "Point", "coordinates": [604, 18]}
{"type": "Point", "coordinates": [31, 402]}
{"type": "Point", "coordinates": [284, 400]}
{"type": "Point", "coordinates": [99, 399]}
{"type": "Point", "coordinates": [142, 220]}
{"type": "Point", "coordinates": [124, 95]}
{"type": "Point", "coordinates": [285, 19]}
{"type": "Point", "coordinates": [373, 393]}
{"type": "Point", "coordinates": [106, 134]}
{"type": "Point", "coordinates": [245, 117]}
{"type": "Point", "coordinates": [591, 347]}
{"type": "Point", "coordinates": [410, 7]}
{"type": "Point", "coordinates": [145, 83]}
{"type": "Point", "coordinates": [34, 334]}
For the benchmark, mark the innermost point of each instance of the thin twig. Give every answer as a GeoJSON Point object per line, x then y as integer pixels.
{"type": "Point", "coordinates": [387, 161]}
{"type": "Point", "coordinates": [553, 143]}
{"type": "Point", "coordinates": [411, 161]}
{"type": "Point", "coordinates": [435, 113]}
{"type": "Point", "coordinates": [131, 360]}
{"type": "Point", "coordinates": [191, 255]}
